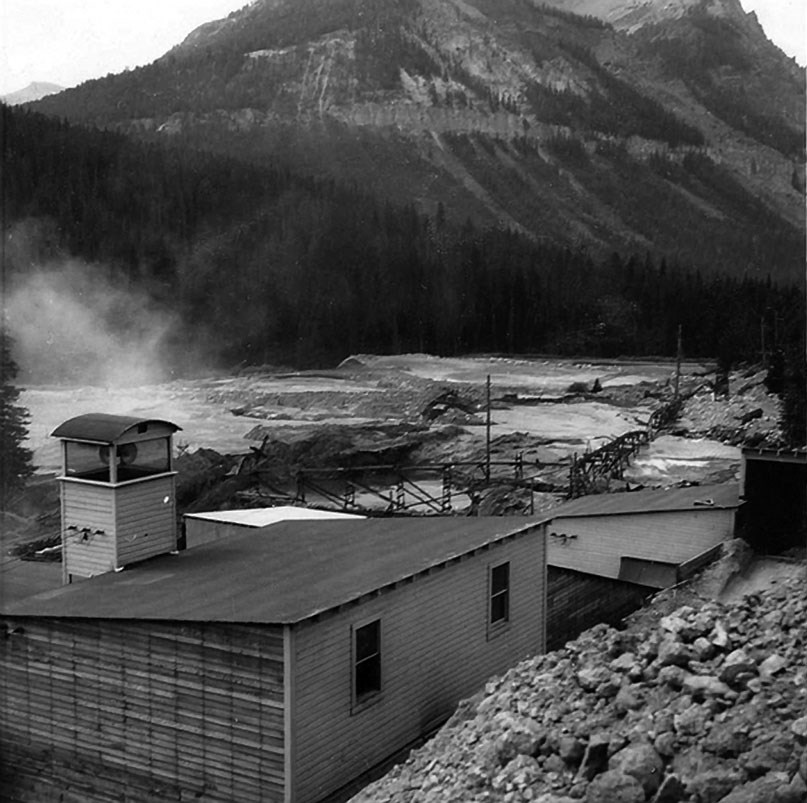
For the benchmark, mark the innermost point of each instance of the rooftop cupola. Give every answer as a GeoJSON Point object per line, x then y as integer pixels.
{"type": "Point", "coordinates": [118, 491]}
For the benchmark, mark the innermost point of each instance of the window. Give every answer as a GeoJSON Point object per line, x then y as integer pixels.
{"type": "Point", "coordinates": [86, 460]}
{"type": "Point", "coordinates": [133, 460]}
{"type": "Point", "coordinates": [366, 662]}
{"type": "Point", "coordinates": [143, 459]}
{"type": "Point", "coordinates": [500, 593]}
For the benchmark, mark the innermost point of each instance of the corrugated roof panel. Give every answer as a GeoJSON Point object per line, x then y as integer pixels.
{"type": "Point", "coordinates": [103, 427]}
{"type": "Point", "coordinates": [304, 568]}
{"type": "Point", "coordinates": [725, 496]}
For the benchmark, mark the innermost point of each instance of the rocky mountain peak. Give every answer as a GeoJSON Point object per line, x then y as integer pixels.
{"type": "Point", "coordinates": [515, 113]}
{"type": "Point", "coordinates": [34, 91]}
{"type": "Point", "coordinates": [630, 15]}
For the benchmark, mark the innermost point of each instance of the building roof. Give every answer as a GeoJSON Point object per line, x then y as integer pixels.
{"type": "Point", "coordinates": [263, 516]}
{"type": "Point", "coordinates": [798, 455]}
{"type": "Point", "coordinates": [103, 427]}
{"type": "Point", "coordinates": [700, 497]}
{"type": "Point", "coordinates": [294, 571]}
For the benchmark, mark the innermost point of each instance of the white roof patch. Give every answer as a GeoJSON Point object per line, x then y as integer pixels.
{"type": "Point", "coordinates": [263, 516]}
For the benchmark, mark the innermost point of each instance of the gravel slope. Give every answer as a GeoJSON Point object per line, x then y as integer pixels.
{"type": "Point", "coordinates": [702, 702]}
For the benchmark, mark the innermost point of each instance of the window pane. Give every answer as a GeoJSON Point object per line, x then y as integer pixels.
{"type": "Point", "coordinates": [499, 607]}
{"type": "Point", "coordinates": [88, 461]}
{"type": "Point", "coordinates": [142, 459]}
{"type": "Point", "coordinates": [367, 640]}
{"type": "Point", "coordinates": [368, 676]}
{"type": "Point", "coordinates": [499, 578]}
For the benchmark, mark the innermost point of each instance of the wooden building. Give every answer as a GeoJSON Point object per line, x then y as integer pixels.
{"type": "Point", "coordinates": [118, 492]}
{"type": "Point", "coordinates": [774, 486]}
{"type": "Point", "coordinates": [253, 668]}
{"type": "Point", "coordinates": [649, 537]}
{"type": "Point", "coordinates": [607, 553]}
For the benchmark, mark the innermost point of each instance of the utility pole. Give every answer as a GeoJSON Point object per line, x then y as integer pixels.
{"type": "Point", "coordinates": [487, 434]}
{"type": "Point", "coordinates": [762, 341]}
{"type": "Point", "coordinates": [678, 363]}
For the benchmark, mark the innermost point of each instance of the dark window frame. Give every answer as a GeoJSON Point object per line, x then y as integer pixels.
{"type": "Point", "coordinates": [366, 677]}
{"type": "Point", "coordinates": [499, 598]}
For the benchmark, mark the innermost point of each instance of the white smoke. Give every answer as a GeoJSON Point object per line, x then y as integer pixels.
{"type": "Point", "coordinates": [75, 323]}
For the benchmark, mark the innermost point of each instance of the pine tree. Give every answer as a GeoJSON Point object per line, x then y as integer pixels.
{"type": "Point", "coordinates": [16, 464]}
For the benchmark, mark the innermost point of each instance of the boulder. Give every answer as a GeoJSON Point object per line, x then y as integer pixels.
{"type": "Point", "coordinates": [713, 785]}
{"type": "Point", "coordinates": [571, 750]}
{"type": "Point", "coordinates": [702, 686]}
{"type": "Point", "coordinates": [767, 789]}
{"type": "Point", "coordinates": [799, 730]}
{"type": "Point", "coordinates": [771, 752]}
{"type": "Point", "coordinates": [590, 678]}
{"type": "Point", "coordinates": [772, 665]}
{"type": "Point", "coordinates": [691, 721]}
{"type": "Point", "coordinates": [595, 757]}
{"type": "Point", "coordinates": [737, 668]}
{"type": "Point", "coordinates": [628, 698]}
{"type": "Point", "coordinates": [615, 787]}
{"type": "Point", "coordinates": [672, 652]}
{"type": "Point", "coordinates": [518, 736]}
{"type": "Point", "coordinates": [642, 762]}
{"type": "Point", "coordinates": [726, 740]}
{"type": "Point", "coordinates": [672, 790]}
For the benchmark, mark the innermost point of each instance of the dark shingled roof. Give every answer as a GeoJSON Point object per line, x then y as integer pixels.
{"type": "Point", "coordinates": [279, 574]}
{"type": "Point", "coordinates": [104, 428]}
{"type": "Point", "coordinates": [696, 497]}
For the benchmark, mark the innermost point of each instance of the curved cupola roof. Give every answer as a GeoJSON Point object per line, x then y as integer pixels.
{"type": "Point", "coordinates": [108, 429]}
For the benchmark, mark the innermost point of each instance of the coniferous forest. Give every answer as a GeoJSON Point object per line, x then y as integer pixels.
{"type": "Point", "coordinates": [264, 265]}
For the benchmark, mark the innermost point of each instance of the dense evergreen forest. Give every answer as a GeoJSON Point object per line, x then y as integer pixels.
{"type": "Point", "coordinates": [265, 265]}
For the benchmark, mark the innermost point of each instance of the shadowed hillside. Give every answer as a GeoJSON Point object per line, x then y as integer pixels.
{"type": "Point", "coordinates": [679, 134]}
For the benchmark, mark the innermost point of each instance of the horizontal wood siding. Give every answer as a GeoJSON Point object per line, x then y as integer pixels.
{"type": "Point", "coordinates": [95, 710]}
{"type": "Point", "coordinates": [434, 652]}
{"type": "Point", "coordinates": [91, 508]}
{"type": "Point", "coordinates": [576, 602]}
{"type": "Point", "coordinates": [146, 523]}
{"type": "Point", "coordinates": [602, 541]}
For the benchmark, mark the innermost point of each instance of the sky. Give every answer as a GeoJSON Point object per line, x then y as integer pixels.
{"type": "Point", "coordinates": [66, 42]}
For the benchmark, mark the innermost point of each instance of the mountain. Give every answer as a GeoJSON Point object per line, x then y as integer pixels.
{"type": "Point", "coordinates": [34, 91]}
{"type": "Point", "coordinates": [191, 256]}
{"type": "Point", "coordinates": [670, 128]}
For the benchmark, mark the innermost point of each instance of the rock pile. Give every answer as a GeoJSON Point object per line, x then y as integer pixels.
{"type": "Point", "coordinates": [703, 705]}
{"type": "Point", "coordinates": [749, 415]}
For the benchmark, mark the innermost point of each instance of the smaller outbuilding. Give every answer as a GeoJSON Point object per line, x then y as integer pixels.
{"type": "Point", "coordinates": [649, 537]}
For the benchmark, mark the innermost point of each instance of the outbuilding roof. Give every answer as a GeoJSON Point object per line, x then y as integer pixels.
{"type": "Point", "coordinates": [797, 455]}
{"type": "Point", "coordinates": [264, 516]}
{"type": "Point", "coordinates": [104, 428]}
{"type": "Point", "coordinates": [696, 497]}
{"type": "Point", "coordinates": [291, 572]}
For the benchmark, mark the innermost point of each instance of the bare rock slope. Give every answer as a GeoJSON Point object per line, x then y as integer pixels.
{"type": "Point", "coordinates": [702, 702]}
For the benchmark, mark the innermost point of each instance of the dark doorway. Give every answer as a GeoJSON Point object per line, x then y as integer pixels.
{"type": "Point", "coordinates": [773, 519]}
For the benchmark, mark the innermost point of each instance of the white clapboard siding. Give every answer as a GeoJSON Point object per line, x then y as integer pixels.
{"type": "Point", "coordinates": [602, 541]}
{"type": "Point", "coordinates": [435, 651]}
{"type": "Point", "coordinates": [97, 710]}
{"type": "Point", "coordinates": [88, 528]}
{"type": "Point", "coordinates": [146, 519]}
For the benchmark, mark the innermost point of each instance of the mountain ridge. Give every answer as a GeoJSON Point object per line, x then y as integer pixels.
{"type": "Point", "coordinates": [512, 113]}
{"type": "Point", "coordinates": [34, 91]}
